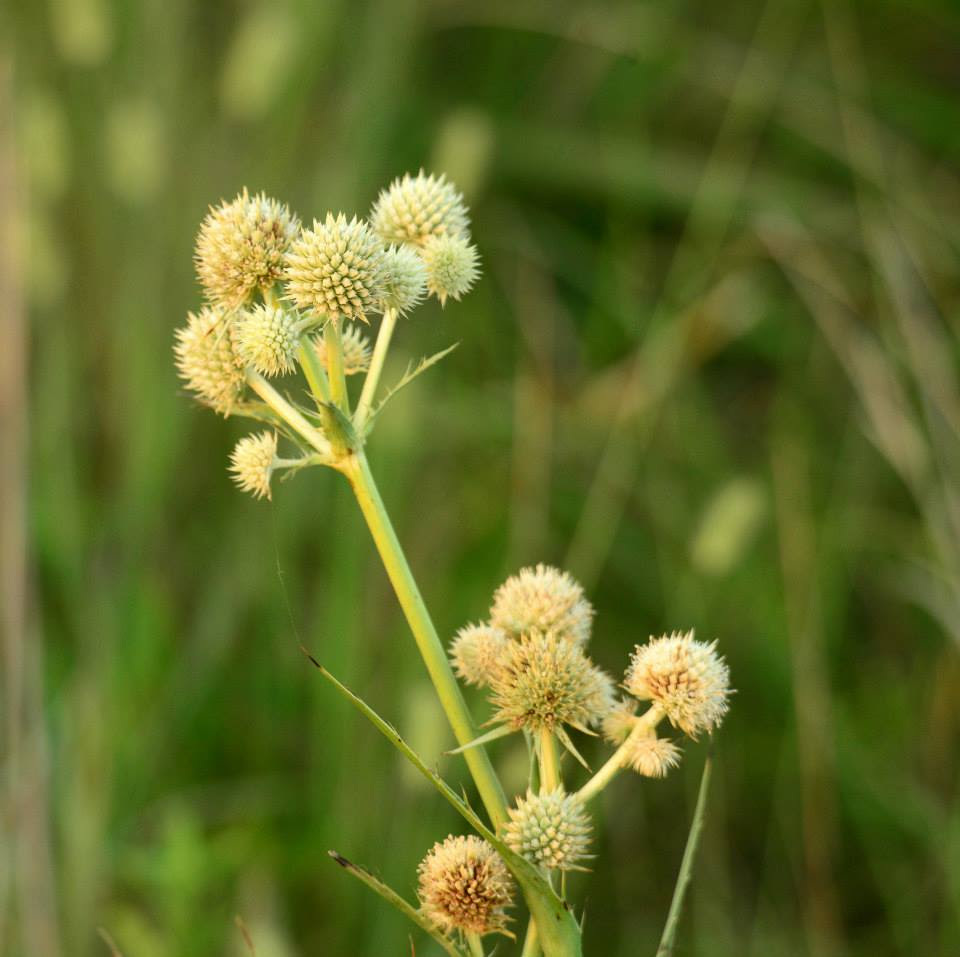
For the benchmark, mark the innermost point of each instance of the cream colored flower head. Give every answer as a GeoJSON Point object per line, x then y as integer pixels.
{"type": "Point", "coordinates": [252, 463]}
{"type": "Point", "coordinates": [686, 677]}
{"type": "Point", "coordinates": [544, 682]}
{"type": "Point", "coordinates": [206, 360]}
{"type": "Point", "coordinates": [356, 350]}
{"type": "Point", "coordinates": [542, 599]}
{"type": "Point", "coordinates": [405, 279]}
{"type": "Point", "coordinates": [620, 721]}
{"type": "Point", "coordinates": [651, 756]}
{"type": "Point", "coordinates": [452, 266]}
{"type": "Point", "coordinates": [551, 829]}
{"type": "Point", "coordinates": [336, 269]}
{"type": "Point", "coordinates": [465, 886]}
{"type": "Point", "coordinates": [476, 652]}
{"type": "Point", "coordinates": [268, 338]}
{"type": "Point", "coordinates": [414, 208]}
{"type": "Point", "coordinates": [240, 247]}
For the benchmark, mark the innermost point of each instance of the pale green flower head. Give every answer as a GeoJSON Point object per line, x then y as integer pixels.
{"type": "Point", "coordinates": [551, 830]}
{"type": "Point", "coordinates": [336, 269]}
{"type": "Point", "coordinates": [252, 462]}
{"type": "Point", "coordinates": [412, 209]}
{"type": "Point", "coordinates": [452, 268]}
{"type": "Point", "coordinates": [267, 339]}
{"type": "Point", "coordinates": [240, 247]}
{"type": "Point", "coordinates": [207, 361]}
{"type": "Point", "coordinates": [405, 279]}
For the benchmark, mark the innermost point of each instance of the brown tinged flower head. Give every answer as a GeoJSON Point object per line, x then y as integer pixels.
{"type": "Point", "coordinates": [544, 682]}
{"type": "Point", "coordinates": [252, 462]}
{"type": "Point", "coordinates": [405, 279]}
{"type": "Point", "coordinates": [240, 247]}
{"type": "Point", "coordinates": [267, 338]}
{"type": "Point", "coordinates": [687, 678]}
{"type": "Point", "coordinates": [476, 651]}
{"type": "Point", "coordinates": [651, 756]}
{"type": "Point", "coordinates": [206, 359]}
{"type": "Point", "coordinates": [414, 208]}
{"type": "Point", "coordinates": [356, 350]}
{"type": "Point", "coordinates": [452, 268]}
{"type": "Point", "coordinates": [336, 269]}
{"type": "Point", "coordinates": [620, 721]}
{"type": "Point", "coordinates": [551, 830]}
{"type": "Point", "coordinates": [542, 599]}
{"type": "Point", "coordinates": [464, 885]}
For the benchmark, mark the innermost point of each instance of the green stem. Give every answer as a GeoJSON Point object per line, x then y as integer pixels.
{"type": "Point", "coordinates": [287, 412]}
{"type": "Point", "coordinates": [549, 762]}
{"type": "Point", "coordinates": [615, 764]}
{"type": "Point", "coordinates": [531, 943]}
{"type": "Point", "coordinates": [387, 325]}
{"type": "Point", "coordinates": [686, 865]}
{"type": "Point", "coordinates": [475, 945]}
{"type": "Point", "coordinates": [338, 379]}
{"type": "Point", "coordinates": [313, 370]}
{"type": "Point", "coordinates": [428, 641]}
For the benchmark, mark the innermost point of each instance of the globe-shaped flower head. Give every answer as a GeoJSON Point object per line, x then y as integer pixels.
{"type": "Point", "coordinates": [207, 361]}
{"type": "Point", "coordinates": [336, 269]}
{"type": "Point", "coordinates": [476, 652]}
{"type": "Point", "coordinates": [414, 208]}
{"type": "Point", "coordinates": [464, 885]}
{"type": "Point", "coordinates": [405, 279]}
{"type": "Point", "coordinates": [240, 247]}
{"type": "Point", "coordinates": [451, 263]}
{"type": "Point", "coordinates": [267, 339]}
{"type": "Point", "coordinates": [252, 462]}
{"type": "Point", "coordinates": [551, 829]}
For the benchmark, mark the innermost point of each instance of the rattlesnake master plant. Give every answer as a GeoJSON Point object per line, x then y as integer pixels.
{"type": "Point", "coordinates": [282, 298]}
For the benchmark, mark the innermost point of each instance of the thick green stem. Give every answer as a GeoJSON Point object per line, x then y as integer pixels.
{"type": "Point", "coordinates": [338, 379]}
{"type": "Point", "coordinates": [475, 945]}
{"type": "Point", "coordinates": [428, 641]}
{"type": "Point", "coordinates": [313, 370]}
{"type": "Point", "coordinates": [531, 943]}
{"type": "Point", "coordinates": [549, 762]}
{"type": "Point", "coordinates": [387, 325]}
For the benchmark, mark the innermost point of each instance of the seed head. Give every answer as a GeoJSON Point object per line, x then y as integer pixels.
{"type": "Point", "coordinates": [464, 885]}
{"type": "Point", "coordinates": [544, 681]}
{"type": "Point", "coordinates": [356, 350]}
{"type": "Point", "coordinates": [476, 651]}
{"type": "Point", "coordinates": [414, 208]}
{"type": "Point", "coordinates": [240, 247]}
{"type": "Point", "coordinates": [687, 678]}
{"type": "Point", "coordinates": [405, 279]}
{"type": "Point", "coordinates": [620, 721]}
{"type": "Point", "coordinates": [451, 263]}
{"type": "Point", "coordinates": [551, 829]}
{"type": "Point", "coordinates": [206, 359]}
{"type": "Point", "coordinates": [267, 339]}
{"type": "Point", "coordinates": [336, 268]}
{"type": "Point", "coordinates": [542, 599]}
{"type": "Point", "coordinates": [252, 462]}
{"type": "Point", "coordinates": [653, 757]}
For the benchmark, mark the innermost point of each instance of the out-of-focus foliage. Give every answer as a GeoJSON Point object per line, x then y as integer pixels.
{"type": "Point", "coordinates": [711, 367]}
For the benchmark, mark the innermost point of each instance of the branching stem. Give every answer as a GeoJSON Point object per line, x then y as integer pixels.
{"type": "Point", "coordinates": [370, 383]}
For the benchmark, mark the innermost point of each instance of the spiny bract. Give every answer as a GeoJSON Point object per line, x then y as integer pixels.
{"type": "Point", "coordinates": [207, 361]}
{"type": "Point", "coordinates": [405, 279]}
{"type": "Point", "coordinates": [542, 599]}
{"type": "Point", "coordinates": [551, 829]}
{"type": "Point", "coordinates": [543, 682]}
{"type": "Point", "coordinates": [414, 208]}
{"type": "Point", "coordinates": [336, 269]}
{"type": "Point", "coordinates": [476, 652]}
{"type": "Point", "coordinates": [251, 463]}
{"type": "Point", "coordinates": [452, 268]}
{"type": "Point", "coordinates": [687, 678]}
{"type": "Point", "coordinates": [267, 339]}
{"type": "Point", "coordinates": [356, 350]}
{"type": "Point", "coordinates": [240, 247]}
{"type": "Point", "coordinates": [464, 885]}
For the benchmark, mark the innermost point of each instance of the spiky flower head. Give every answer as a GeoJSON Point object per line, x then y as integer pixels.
{"type": "Point", "coordinates": [414, 208]}
{"type": "Point", "coordinates": [240, 247]}
{"type": "Point", "coordinates": [542, 599]}
{"type": "Point", "coordinates": [686, 677]}
{"type": "Point", "coordinates": [620, 721]}
{"type": "Point", "coordinates": [544, 682]}
{"type": "Point", "coordinates": [476, 652]}
{"type": "Point", "coordinates": [651, 756]}
{"type": "Point", "coordinates": [252, 463]}
{"type": "Point", "coordinates": [452, 268]}
{"type": "Point", "coordinates": [551, 829]}
{"type": "Point", "coordinates": [206, 360]}
{"type": "Point", "coordinates": [336, 268]}
{"type": "Point", "coordinates": [464, 885]}
{"type": "Point", "coordinates": [405, 279]}
{"type": "Point", "coordinates": [267, 339]}
{"type": "Point", "coordinates": [356, 350]}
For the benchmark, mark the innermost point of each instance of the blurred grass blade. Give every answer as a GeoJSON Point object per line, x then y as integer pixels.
{"type": "Point", "coordinates": [395, 900]}
{"type": "Point", "coordinates": [686, 865]}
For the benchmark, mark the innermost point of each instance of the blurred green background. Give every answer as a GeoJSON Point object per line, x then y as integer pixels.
{"type": "Point", "coordinates": [711, 369]}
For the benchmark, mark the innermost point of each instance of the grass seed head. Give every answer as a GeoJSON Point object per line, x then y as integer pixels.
{"type": "Point", "coordinates": [240, 247]}
{"type": "Point", "coordinates": [551, 829]}
{"type": "Point", "coordinates": [476, 652]}
{"type": "Point", "coordinates": [464, 885]}
{"type": "Point", "coordinates": [414, 208]}
{"type": "Point", "coordinates": [267, 339]}
{"type": "Point", "coordinates": [452, 268]}
{"type": "Point", "coordinates": [207, 361]}
{"type": "Point", "coordinates": [252, 462]}
{"type": "Point", "coordinates": [686, 677]}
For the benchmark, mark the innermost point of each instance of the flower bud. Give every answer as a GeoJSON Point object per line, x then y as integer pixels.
{"type": "Point", "coordinates": [451, 263]}
{"type": "Point", "coordinates": [267, 339]}
{"type": "Point", "coordinates": [551, 829]}
{"type": "Point", "coordinates": [414, 208]}
{"type": "Point", "coordinates": [405, 279]}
